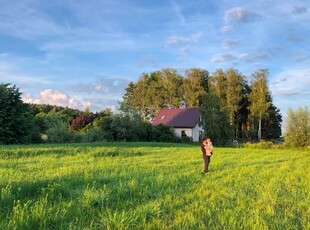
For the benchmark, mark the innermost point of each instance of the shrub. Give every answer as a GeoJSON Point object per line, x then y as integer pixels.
{"type": "Point", "coordinates": [260, 145]}
{"type": "Point", "coordinates": [298, 128]}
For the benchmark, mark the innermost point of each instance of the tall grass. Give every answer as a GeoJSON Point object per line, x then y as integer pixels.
{"type": "Point", "coordinates": [152, 186]}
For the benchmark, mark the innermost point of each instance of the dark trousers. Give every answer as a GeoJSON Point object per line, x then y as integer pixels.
{"type": "Point", "coordinates": [206, 159]}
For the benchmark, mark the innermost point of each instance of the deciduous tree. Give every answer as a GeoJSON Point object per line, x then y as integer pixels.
{"type": "Point", "coordinates": [195, 87]}
{"type": "Point", "coordinates": [297, 131]}
{"type": "Point", "coordinates": [259, 103]}
{"type": "Point", "coordinates": [218, 86]}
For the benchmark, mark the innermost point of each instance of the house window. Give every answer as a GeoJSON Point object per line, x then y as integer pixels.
{"type": "Point", "coordinates": [163, 117]}
{"type": "Point", "coordinates": [183, 133]}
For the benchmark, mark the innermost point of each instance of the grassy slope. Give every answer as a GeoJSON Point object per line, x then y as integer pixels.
{"type": "Point", "coordinates": [153, 186]}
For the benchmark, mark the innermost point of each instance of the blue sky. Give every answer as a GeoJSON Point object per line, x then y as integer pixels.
{"type": "Point", "coordinates": [84, 53]}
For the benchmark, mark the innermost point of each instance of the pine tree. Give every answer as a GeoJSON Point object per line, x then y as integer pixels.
{"type": "Point", "coordinates": [216, 121]}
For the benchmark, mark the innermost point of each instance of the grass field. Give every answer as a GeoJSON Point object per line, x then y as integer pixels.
{"type": "Point", "coordinates": [152, 186]}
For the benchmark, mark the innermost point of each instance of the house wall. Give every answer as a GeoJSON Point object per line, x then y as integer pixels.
{"type": "Point", "coordinates": [196, 130]}
{"type": "Point", "coordinates": [178, 131]}
{"type": "Point", "coordinates": [193, 133]}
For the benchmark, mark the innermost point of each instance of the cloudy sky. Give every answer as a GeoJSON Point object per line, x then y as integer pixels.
{"type": "Point", "coordinates": [83, 53]}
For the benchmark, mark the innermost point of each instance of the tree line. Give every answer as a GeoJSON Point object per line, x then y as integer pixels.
{"type": "Point", "coordinates": [22, 123]}
{"type": "Point", "coordinates": [233, 107]}
{"type": "Point", "coordinates": [216, 95]}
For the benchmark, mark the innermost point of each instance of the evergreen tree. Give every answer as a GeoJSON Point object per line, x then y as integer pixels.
{"type": "Point", "coordinates": [216, 121]}
{"type": "Point", "coordinates": [128, 98]}
{"type": "Point", "coordinates": [271, 124]}
{"type": "Point", "coordinates": [243, 113]}
{"type": "Point", "coordinates": [16, 121]}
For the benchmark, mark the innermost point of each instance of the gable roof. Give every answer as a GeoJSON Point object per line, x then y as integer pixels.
{"type": "Point", "coordinates": [177, 118]}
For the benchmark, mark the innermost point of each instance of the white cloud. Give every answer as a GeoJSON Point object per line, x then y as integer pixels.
{"type": "Point", "coordinates": [53, 97]}
{"type": "Point", "coordinates": [9, 72]}
{"type": "Point", "coordinates": [186, 49]}
{"type": "Point", "coordinates": [179, 39]}
{"type": "Point", "coordinates": [147, 61]}
{"type": "Point", "coordinates": [178, 12]}
{"type": "Point", "coordinates": [299, 10]}
{"type": "Point", "coordinates": [299, 57]}
{"type": "Point", "coordinates": [250, 57]}
{"type": "Point", "coordinates": [291, 82]}
{"type": "Point", "coordinates": [25, 21]}
{"type": "Point", "coordinates": [226, 29]}
{"type": "Point", "coordinates": [98, 88]}
{"type": "Point", "coordinates": [226, 57]}
{"type": "Point", "coordinates": [85, 40]}
{"type": "Point", "coordinates": [230, 43]}
{"type": "Point", "coordinates": [102, 86]}
{"type": "Point", "coordinates": [241, 14]}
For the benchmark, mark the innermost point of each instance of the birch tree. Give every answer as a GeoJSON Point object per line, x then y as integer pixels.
{"type": "Point", "coordinates": [258, 97]}
{"type": "Point", "coordinates": [234, 93]}
{"type": "Point", "coordinates": [218, 86]}
{"type": "Point", "coordinates": [195, 87]}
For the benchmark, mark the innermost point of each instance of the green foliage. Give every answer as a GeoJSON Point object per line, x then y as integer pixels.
{"type": "Point", "coordinates": [298, 128]}
{"type": "Point", "coordinates": [260, 145]}
{"type": "Point", "coordinates": [235, 83]}
{"type": "Point", "coordinates": [163, 133]}
{"type": "Point", "coordinates": [16, 122]}
{"type": "Point", "coordinates": [216, 122]}
{"type": "Point", "coordinates": [249, 107]}
{"type": "Point", "coordinates": [195, 87]}
{"type": "Point", "coordinates": [144, 99]}
{"type": "Point", "coordinates": [152, 186]}
{"type": "Point", "coordinates": [57, 131]}
{"type": "Point", "coordinates": [271, 124]}
{"type": "Point", "coordinates": [264, 145]}
{"type": "Point", "coordinates": [258, 97]}
{"type": "Point", "coordinates": [126, 127]}
{"type": "Point", "coordinates": [218, 86]}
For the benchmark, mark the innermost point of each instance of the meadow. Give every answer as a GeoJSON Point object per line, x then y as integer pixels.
{"type": "Point", "coordinates": [152, 186]}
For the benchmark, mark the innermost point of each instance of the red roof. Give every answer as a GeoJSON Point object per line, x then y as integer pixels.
{"type": "Point", "coordinates": [177, 118]}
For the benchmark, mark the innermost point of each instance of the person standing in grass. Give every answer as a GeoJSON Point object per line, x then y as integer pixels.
{"type": "Point", "coordinates": [207, 152]}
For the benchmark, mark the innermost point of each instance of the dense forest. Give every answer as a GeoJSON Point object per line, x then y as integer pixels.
{"type": "Point", "coordinates": [233, 107]}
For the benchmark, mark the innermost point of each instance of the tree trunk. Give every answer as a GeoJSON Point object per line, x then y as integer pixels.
{"type": "Point", "coordinates": [259, 129]}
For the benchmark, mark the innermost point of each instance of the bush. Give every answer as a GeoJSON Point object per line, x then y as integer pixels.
{"type": "Point", "coordinates": [260, 145]}
{"type": "Point", "coordinates": [162, 133]}
{"type": "Point", "coordinates": [58, 132]}
{"type": "Point", "coordinates": [298, 128]}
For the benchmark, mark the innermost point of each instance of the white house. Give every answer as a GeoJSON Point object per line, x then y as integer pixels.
{"type": "Point", "coordinates": [185, 122]}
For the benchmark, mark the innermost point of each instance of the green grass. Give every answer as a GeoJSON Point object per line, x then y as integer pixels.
{"type": "Point", "coordinates": [152, 186]}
